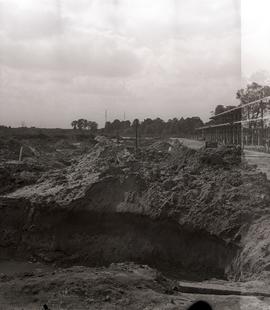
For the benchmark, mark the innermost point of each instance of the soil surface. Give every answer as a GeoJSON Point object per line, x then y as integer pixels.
{"type": "Point", "coordinates": [119, 286]}
{"type": "Point", "coordinates": [260, 160]}
{"type": "Point", "coordinates": [39, 154]}
{"type": "Point", "coordinates": [137, 222]}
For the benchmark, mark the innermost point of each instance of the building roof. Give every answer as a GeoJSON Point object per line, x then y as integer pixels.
{"type": "Point", "coordinates": [240, 107]}
{"type": "Point", "coordinates": [226, 112]}
{"type": "Point", "coordinates": [265, 99]}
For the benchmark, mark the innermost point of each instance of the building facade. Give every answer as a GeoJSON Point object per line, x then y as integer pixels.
{"type": "Point", "coordinates": [245, 125]}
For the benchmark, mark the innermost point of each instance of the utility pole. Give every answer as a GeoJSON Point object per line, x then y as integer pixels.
{"type": "Point", "coordinates": [106, 116]}
{"type": "Point", "coordinates": [136, 123]}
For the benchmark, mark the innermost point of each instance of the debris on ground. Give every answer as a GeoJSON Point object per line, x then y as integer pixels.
{"type": "Point", "coordinates": [151, 206]}
{"type": "Point", "coordinates": [119, 286]}
{"type": "Point", "coordinates": [39, 155]}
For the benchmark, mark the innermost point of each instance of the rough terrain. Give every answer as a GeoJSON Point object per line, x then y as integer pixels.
{"type": "Point", "coordinates": [119, 286]}
{"type": "Point", "coordinates": [192, 214]}
{"type": "Point", "coordinates": [260, 159]}
{"type": "Point", "coordinates": [40, 153]}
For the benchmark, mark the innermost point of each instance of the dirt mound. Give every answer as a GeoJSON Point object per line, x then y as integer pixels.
{"type": "Point", "coordinates": [160, 146]}
{"type": "Point", "coordinates": [207, 201]}
{"type": "Point", "coordinates": [222, 156]}
{"type": "Point", "coordinates": [14, 174]}
{"type": "Point", "coordinates": [120, 286]}
{"type": "Point", "coordinates": [64, 144]}
{"type": "Point", "coordinates": [64, 186]}
{"type": "Point", "coordinates": [39, 155]}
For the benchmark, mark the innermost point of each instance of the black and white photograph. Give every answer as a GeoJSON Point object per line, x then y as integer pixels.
{"type": "Point", "coordinates": [134, 155]}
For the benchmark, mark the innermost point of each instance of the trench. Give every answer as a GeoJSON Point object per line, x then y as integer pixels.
{"type": "Point", "coordinates": [98, 239]}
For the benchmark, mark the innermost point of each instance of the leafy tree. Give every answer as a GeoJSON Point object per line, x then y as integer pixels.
{"type": "Point", "coordinates": [84, 124]}
{"type": "Point", "coordinates": [81, 123]}
{"type": "Point", "coordinates": [221, 108]}
{"type": "Point", "coordinates": [74, 124]}
{"type": "Point", "coordinates": [135, 123]}
{"type": "Point", "coordinates": [116, 125]}
{"type": "Point", "coordinates": [252, 92]}
{"type": "Point", "coordinates": [92, 126]}
{"type": "Point", "coordinates": [107, 127]}
{"type": "Point", "coordinates": [154, 127]}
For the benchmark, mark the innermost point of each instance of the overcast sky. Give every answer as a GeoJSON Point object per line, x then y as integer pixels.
{"type": "Point", "coordinates": [62, 60]}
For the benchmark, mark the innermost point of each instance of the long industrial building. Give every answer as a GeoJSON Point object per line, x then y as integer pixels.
{"type": "Point", "coordinates": [245, 125]}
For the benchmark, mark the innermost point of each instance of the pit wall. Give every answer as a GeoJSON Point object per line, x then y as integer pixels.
{"type": "Point", "coordinates": [100, 238]}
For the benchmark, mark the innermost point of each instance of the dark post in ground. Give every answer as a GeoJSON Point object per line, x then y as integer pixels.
{"type": "Point", "coordinates": [136, 125]}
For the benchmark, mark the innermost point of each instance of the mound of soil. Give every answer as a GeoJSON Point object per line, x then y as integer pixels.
{"type": "Point", "coordinates": [39, 155]}
{"type": "Point", "coordinates": [15, 174]}
{"type": "Point", "coordinates": [176, 209]}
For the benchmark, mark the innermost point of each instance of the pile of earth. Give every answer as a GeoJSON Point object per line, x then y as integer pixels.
{"type": "Point", "coordinates": [203, 211]}
{"type": "Point", "coordinates": [15, 174]}
{"type": "Point", "coordinates": [38, 156]}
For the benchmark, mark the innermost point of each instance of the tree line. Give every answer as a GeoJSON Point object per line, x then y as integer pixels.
{"type": "Point", "coordinates": [182, 127]}
{"type": "Point", "coordinates": [82, 123]}
{"type": "Point", "coordinates": [179, 127]}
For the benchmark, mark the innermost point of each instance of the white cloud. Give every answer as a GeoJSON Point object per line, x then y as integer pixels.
{"type": "Point", "coordinates": [255, 36]}
{"type": "Point", "coordinates": [148, 57]}
{"type": "Point", "coordinates": [92, 53]}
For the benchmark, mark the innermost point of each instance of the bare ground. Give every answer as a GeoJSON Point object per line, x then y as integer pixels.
{"type": "Point", "coordinates": [120, 286]}
{"type": "Point", "coordinates": [192, 214]}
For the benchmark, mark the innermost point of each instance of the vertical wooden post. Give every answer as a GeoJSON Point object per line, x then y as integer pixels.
{"type": "Point", "coordinates": [21, 152]}
{"type": "Point", "coordinates": [252, 133]}
{"type": "Point", "coordinates": [117, 137]}
{"type": "Point", "coordinates": [136, 136]}
{"type": "Point", "coordinates": [241, 136]}
{"type": "Point", "coordinates": [262, 126]}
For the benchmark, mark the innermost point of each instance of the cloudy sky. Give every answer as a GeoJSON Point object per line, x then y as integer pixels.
{"type": "Point", "coordinates": [255, 41]}
{"type": "Point", "coordinates": [61, 60]}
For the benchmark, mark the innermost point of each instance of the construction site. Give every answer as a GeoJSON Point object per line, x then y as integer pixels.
{"type": "Point", "coordinates": [134, 155]}
{"type": "Point", "coordinates": [104, 223]}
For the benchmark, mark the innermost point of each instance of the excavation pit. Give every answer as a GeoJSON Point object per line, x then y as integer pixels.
{"type": "Point", "coordinates": [99, 239]}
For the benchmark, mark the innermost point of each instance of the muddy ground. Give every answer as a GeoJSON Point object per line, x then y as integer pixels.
{"type": "Point", "coordinates": [119, 286]}
{"type": "Point", "coordinates": [175, 213]}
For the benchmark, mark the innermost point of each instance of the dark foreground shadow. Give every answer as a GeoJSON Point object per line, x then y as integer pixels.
{"type": "Point", "coordinates": [200, 305]}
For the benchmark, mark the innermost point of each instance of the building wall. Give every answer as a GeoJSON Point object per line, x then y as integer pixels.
{"type": "Point", "coordinates": [247, 126]}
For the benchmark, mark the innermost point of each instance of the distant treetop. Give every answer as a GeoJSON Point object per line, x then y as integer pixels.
{"type": "Point", "coordinates": [252, 92]}
{"type": "Point", "coordinates": [84, 124]}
